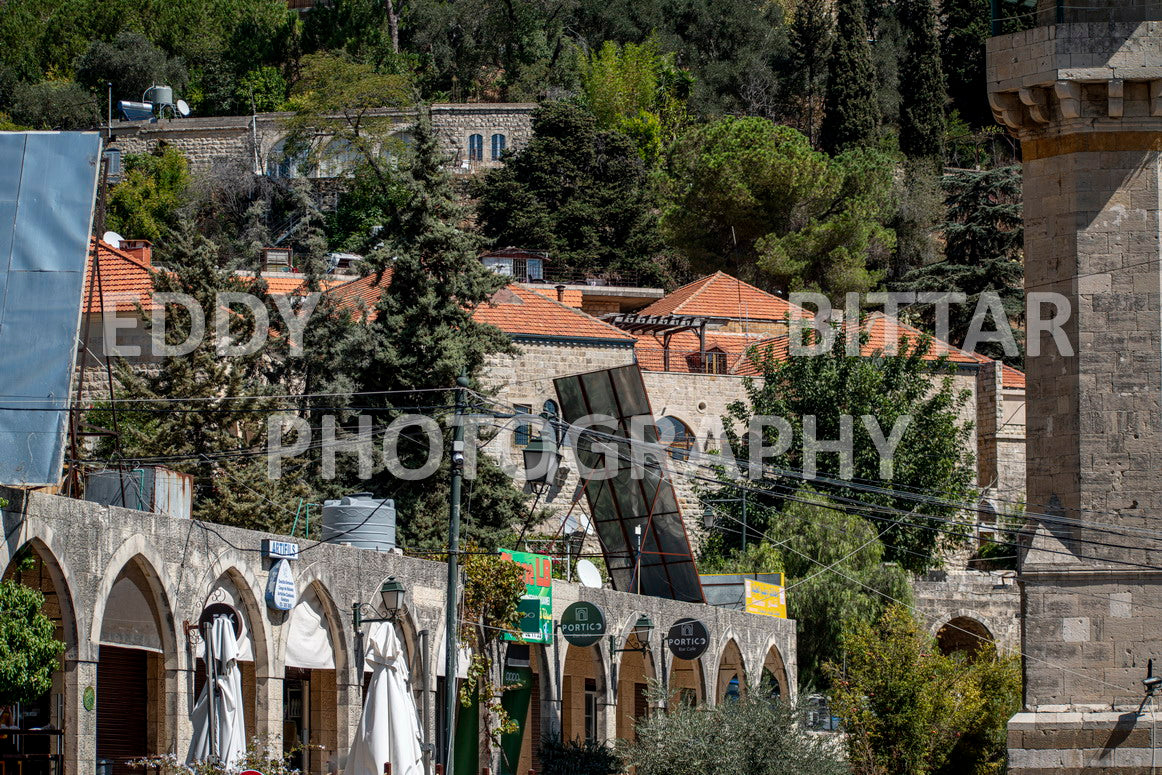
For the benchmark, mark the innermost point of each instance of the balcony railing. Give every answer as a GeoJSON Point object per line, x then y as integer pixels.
{"type": "Point", "coordinates": [564, 276]}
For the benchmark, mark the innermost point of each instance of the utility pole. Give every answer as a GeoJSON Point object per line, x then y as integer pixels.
{"type": "Point", "coordinates": [451, 651]}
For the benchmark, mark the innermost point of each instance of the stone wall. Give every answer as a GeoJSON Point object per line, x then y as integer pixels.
{"type": "Point", "coordinates": [990, 598]}
{"type": "Point", "coordinates": [85, 547]}
{"type": "Point", "coordinates": [254, 141]}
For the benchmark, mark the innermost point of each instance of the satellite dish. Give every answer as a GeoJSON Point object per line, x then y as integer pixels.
{"type": "Point", "coordinates": [588, 574]}
{"type": "Point", "coordinates": [183, 108]}
{"type": "Point", "coordinates": [112, 238]}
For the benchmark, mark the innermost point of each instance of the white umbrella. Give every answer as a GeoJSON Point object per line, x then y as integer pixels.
{"type": "Point", "coordinates": [389, 730]}
{"type": "Point", "coordinates": [229, 724]}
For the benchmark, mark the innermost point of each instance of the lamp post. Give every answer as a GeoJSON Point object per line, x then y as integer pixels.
{"type": "Point", "coordinates": [391, 596]}
{"type": "Point", "coordinates": [542, 459]}
{"type": "Point", "coordinates": [641, 629]}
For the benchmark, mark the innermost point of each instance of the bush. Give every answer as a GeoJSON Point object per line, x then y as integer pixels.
{"type": "Point", "coordinates": [572, 757]}
{"type": "Point", "coordinates": [752, 735]}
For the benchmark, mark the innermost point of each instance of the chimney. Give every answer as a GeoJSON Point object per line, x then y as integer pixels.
{"type": "Point", "coordinates": [141, 249]}
{"type": "Point", "coordinates": [561, 293]}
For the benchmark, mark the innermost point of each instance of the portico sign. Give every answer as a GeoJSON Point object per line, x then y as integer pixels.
{"type": "Point", "coordinates": [582, 624]}
{"type": "Point", "coordinates": [688, 639]}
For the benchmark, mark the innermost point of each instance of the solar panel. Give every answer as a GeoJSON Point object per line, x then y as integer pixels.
{"type": "Point", "coordinates": [624, 502]}
{"type": "Point", "coordinates": [48, 184]}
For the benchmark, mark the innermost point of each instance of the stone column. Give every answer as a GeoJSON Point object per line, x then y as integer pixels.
{"type": "Point", "coordinates": [1084, 96]}
{"type": "Point", "coordinates": [80, 744]}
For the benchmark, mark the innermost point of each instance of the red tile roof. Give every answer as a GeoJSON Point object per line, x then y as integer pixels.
{"type": "Point", "coordinates": [720, 295]}
{"type": "Point", "coordinates": [1012, 378]}
{"type": "Point", "coordinates": [125, 281]}
{"type": "Point", "coordinates": [685, 350]}
{"type": "Point", "coordinates": [518, 311]}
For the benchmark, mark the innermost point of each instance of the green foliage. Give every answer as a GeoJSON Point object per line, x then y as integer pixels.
{"type": "Point", "coordinates": [145, 204]}
{"type": "Point", "coordinates": [132, 63]}
{"type": "Point", "coordinates": [579, 192]}
{"type": "Point", "coordinates": [752, 735]}
{"type": "Point", "coordinates": [493, 587]}
{"type": "Point", "coordinates": [760, 556]}
{"type": "Point", "coordinates": [637, 89]}
{"type": "Point", "coordinates": [56, 105]}
{"type": "Point", "coordinates": [745, 195]}
{"type": "Point", "coordinates": [263, 89]}
{"type": "Point", "coordinates": [933, 454]}
{"type": "Point", "coordinates": [573, 757]}
{"type": "Point", "coordinates": [812, 32]}
{"type": "Point", "coordinates": [29, 652]}
{"type": "Point", "coordinates": [918, 214]}
{"type": "Point", "coordinates": [982, 252]}
{"type": "Point", "coordinates": [922, 104]}
{"type": "Point", "coordinates": [962, 38]}
{"type": "Point", "coordinates": [908, 709]}
{"type": "Point", "coordinates": [850, 113]}
{"type": "Point", "coordinates": [220, 441]}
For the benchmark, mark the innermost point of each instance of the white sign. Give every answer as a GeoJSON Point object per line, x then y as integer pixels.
{"type": "Point", "coordinates": [279, 550]}
{"type": "Point", "coordinates": [281, 594]}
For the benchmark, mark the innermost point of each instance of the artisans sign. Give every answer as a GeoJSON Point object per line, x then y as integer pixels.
{"type": "Point", "coordinates": [582, 624]}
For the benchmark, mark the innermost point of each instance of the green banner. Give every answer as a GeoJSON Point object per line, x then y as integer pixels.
{"type": "Point", "coordinates": [518, 676]}
{"type": "Point", "coordinates": [536, 607]}
{"type": "Point", "coordinates": [466, 753]}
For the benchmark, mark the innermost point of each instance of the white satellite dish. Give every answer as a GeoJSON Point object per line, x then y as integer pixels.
{"type": "Point", "coordinates": [183, 108]}
{"type": "Point", "coordinates": [588, 574]}
{"type": "Point", "coordinates": [112, 238]}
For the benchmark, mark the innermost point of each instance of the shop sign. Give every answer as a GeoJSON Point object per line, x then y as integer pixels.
{"type": "Point", "coordinates": [582, 624]}
{"type": "Point", "coordinates": [688, 639]}
{"type": "Point", "coordinates": [279, 550]}
{"type": "Point", "coordinates": [281, 594]}
{"type": "Point", "coordinates": [765, 599]}
{"type": "Point", "coordinates": [536, 607]}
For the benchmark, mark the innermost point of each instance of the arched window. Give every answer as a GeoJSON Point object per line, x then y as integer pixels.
{"type": "Point", "coordinates": [550, 408]}
{"type": "Point", "coordinates": [497, 146]}
{"type": "Point", "coordinates": [281, 164]}
{"type": "Point", "coordinates": [677, 435]}
{"type": "Point", "coordinates": [475, 147]}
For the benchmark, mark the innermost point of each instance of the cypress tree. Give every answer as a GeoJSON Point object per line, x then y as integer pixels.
{"type": "Point", "coordinates": [424, 335]}
{"type": "Point", "coordinates": [922, 101]}
{"type": "Point", "coordinates": [811, 33]}
{"type": "Point", "coordinates": [849, 118]}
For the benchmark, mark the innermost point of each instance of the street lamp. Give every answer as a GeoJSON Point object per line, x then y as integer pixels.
{"type": "Point", "coordinates": [391, 594]}
{"type": "Point", "coordinates": [542, 458]}
{"type": "Point", "coordinates": [641, 630]}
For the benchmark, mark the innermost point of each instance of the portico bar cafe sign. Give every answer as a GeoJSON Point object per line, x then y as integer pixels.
{"type": "Point", "coordinates": [688, 639]}
{"type": "Point", "coordinates": [582, 624]}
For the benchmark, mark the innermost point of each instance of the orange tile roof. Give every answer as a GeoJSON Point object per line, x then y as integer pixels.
{"type": "Point", "coordinates": [518, 311]}
{"type": "Point", "coordinates": [877, 325]}
{"type": "Point", "coordinates": [125, 281]}
{"type": "Point", "coordinates": [685, 348]}
{"type": "Point", "coordinates": [720, 295]}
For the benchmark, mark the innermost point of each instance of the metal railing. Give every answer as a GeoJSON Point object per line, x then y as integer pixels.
{"type": "Point", "coordinates": [564, 276]}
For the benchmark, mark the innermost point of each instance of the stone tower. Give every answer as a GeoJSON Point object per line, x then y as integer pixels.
{"type": "Point", "coordinates": [1082, 91]}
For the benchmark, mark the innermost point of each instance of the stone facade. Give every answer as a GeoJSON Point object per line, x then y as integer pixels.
{"type": "Point", "coordinates": [1082, 96]}
{"type": "Point", "coordinates": [180, 565]}
{"type": "Point", "coordinates": [255, 141]}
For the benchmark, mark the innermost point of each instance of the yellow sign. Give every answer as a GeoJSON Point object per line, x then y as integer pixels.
{"type": "Point", "coordinates": [765, 599]}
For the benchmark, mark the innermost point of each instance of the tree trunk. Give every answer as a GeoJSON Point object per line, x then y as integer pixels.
{"type": "Point", "coordinates": [393, 25]}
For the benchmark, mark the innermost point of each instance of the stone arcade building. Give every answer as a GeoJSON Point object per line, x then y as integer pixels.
{"type": "Point", "coordinates": [121, 586]}
{"type": "Point", "coordinates": [1082, 91]}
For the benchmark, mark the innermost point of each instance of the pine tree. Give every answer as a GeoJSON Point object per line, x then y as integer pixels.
{"type": "Point", "coordinates": [922, 119]}
{"type": "Point", "coordinates": [811, 33]}
{"type": "Point", "coordinates": [205, 413]}
{"type": "Point", "coordinates": [423, 337]}
{"type": "Point", "coordinates": [849, 118]}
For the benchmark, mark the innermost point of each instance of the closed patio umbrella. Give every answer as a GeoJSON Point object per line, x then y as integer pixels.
{"type": "Point", "coordinates": [389, 730]}
{"type": "Point", "coordinates": [229, 726]}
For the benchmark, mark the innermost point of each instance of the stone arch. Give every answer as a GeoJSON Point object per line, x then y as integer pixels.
{"type": "Point", "coordinates": [730, 674]}
{"type": "Point", "coordinates": [136, 675]}
{"type": "Point", "coordinates": [774, 671]}
{"type": "Point", "coordinates": [42, 540]}
{"type": "Point", "coordinates": [633, 671]}
{"type": "Point", "coordinates": [965, 633]}
{"type": "Point", "coordinates": [677, 435]}
{"type": "Point", "coordinates": [686, 680]}
{"type": "Point", "coordinates": [584, 704]}
{"type": "Point", "coordinates": [144, 555]}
